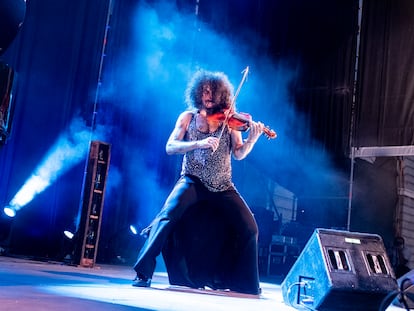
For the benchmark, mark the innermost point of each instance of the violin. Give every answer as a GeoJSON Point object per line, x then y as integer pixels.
{"type": "Point", "coordinates": [240, 122]}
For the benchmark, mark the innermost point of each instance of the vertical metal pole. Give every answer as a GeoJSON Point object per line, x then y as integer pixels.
{"type": "Point", "coordinates": [98, 87]}
{"type": "Point", "coordinates": [351, 129]}
{"type": "Point", "coordinates": [351, 178]}
{"type": "Point", "coordinates": [196, 30]}
{"type": "Point", "coordinates": [95, 105]}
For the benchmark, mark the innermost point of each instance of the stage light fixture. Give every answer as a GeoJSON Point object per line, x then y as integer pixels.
{"type": "Point", "coordinates": [133, 229]}
{"type": "Point", "coordinates": [10, 211]}
{"type": "Point", "coordinates": [68, 234]}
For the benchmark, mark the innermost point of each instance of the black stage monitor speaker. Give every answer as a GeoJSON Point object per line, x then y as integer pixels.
{"type": "Point", "coordinates": [406, 297]}
{"type": "Point", "coordinates": [340, 270]}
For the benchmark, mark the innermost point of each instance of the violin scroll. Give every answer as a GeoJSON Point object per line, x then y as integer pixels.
{"type": "Point", "coordinates": [270, 134]}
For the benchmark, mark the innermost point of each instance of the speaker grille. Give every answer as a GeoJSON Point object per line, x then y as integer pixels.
{"type": "Point", "coordinates": [338, 260]}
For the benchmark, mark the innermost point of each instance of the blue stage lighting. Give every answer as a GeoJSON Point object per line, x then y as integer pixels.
{"type": "Point", "coordinates": [68, 234]}
{"type": "Point", "coordinates": [10, 211]}
{"type": "Point", "coordinates": [70, 148]}
{"type": "Point", "coordinates": [133, 229]}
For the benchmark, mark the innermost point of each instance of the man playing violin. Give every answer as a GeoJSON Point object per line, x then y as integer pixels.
{"type": "Point", "coordinates": [208, 145]}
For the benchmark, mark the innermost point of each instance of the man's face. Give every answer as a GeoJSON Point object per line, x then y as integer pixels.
{"type": "Point", "coordinates": [207, 97]}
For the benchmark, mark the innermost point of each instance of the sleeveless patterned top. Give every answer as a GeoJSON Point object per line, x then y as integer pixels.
{"type": "Point", "coordinates": [213, 169]}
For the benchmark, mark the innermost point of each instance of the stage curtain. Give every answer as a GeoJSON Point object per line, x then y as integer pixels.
{"type": "Point", "coordinates": [385, 110]}
{"type": "Point", "coordinates": [56, 57]}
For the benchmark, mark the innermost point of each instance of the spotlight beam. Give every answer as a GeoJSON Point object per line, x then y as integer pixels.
{"type": "Point", "coordinates": [70, 148]}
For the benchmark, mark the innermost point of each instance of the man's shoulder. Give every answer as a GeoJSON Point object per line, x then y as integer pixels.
{"type": "Point", "coordinates": [187, 114]}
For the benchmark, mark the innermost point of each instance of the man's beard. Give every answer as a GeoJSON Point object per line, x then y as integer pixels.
{"type": "Point", "coordinates": [213, 110]}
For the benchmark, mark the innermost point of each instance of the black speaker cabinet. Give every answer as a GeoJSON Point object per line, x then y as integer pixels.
{"type": "Point", "coordinates": [340, 270]}
{"type": "Point", "coordinates": [91, 207]}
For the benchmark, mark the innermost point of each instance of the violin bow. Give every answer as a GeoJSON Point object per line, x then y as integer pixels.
{"type": "Point", "coordinates": [245, 72]}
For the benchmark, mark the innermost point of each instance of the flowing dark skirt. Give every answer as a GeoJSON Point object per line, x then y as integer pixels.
{"type": "Point", "coordinates": [207, 239]}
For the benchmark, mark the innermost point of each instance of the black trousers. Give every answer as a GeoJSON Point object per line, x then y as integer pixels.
{"type": "Point", "coordinates": [189, 191]}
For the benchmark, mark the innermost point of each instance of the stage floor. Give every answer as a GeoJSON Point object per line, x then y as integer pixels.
{"type": "Point", "coordinates": [38, 285]}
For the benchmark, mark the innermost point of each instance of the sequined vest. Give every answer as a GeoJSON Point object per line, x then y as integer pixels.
{"type": "Point", "coordinates": [212, 168]}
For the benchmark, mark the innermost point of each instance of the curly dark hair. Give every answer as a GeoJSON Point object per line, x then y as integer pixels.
{"type": "Point", "coordinates": [221, 88]}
